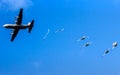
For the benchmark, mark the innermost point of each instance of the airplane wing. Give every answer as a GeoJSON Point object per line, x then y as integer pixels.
{"type": "Point", "coordinates": [14, 34]}
{"type": "Point", "coordinates": [19, 17]}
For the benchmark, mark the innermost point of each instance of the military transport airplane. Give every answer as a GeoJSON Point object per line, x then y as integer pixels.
{"type": "Point", "coordinates": [18, 25]}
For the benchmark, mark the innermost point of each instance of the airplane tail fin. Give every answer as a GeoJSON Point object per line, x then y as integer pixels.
{"type": "Point", "coordinates": [30, 26]}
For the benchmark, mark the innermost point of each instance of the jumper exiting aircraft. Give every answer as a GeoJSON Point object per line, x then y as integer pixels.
{"type": "Point", "coordinates": [18, 25]}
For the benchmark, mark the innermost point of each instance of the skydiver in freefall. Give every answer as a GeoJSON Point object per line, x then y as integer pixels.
{"type": "Point", "coordinates": [87, 44]}
{"type": "Point", "coordinates": [82, 38]}
{"type": "Point", "coordinates": [114, 44]}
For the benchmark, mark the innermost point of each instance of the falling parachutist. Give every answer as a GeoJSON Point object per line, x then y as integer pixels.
{"type": "Point", "coordinates": [106, 52]}
{"type": "Point", "coordinates": [59, 30]}
{"type": "Point", "coordinates": [87, 44]}
{"type": "Point", "coordinates": [46, 34]}
{"type": "Point", "coordinates": [82, 38]}
{"type": "Point", "coordinates": [114, 45]}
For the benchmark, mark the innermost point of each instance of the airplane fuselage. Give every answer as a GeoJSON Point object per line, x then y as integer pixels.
{"type": "Point", "coordinates": [14, 26]}
{"type": "Point", "coordinates": [18, 25]}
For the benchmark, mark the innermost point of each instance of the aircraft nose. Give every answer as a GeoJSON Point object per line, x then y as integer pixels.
{"type": "Point", "coordinates": [4, 26]}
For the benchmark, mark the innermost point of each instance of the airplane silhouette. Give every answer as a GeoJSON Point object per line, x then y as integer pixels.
{"type": "Point", "coordinates": [18, 25]}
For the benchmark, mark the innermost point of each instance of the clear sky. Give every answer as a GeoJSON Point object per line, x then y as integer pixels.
{"type": "Point", "coordinates": [59, 53]}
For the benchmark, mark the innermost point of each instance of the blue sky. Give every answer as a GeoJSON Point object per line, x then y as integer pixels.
{"type": "Point", "coordinates": [60, 53]}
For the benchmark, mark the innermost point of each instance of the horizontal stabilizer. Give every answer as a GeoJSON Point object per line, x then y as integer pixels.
{"type": "Point", "coordinates": [30, 26]}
